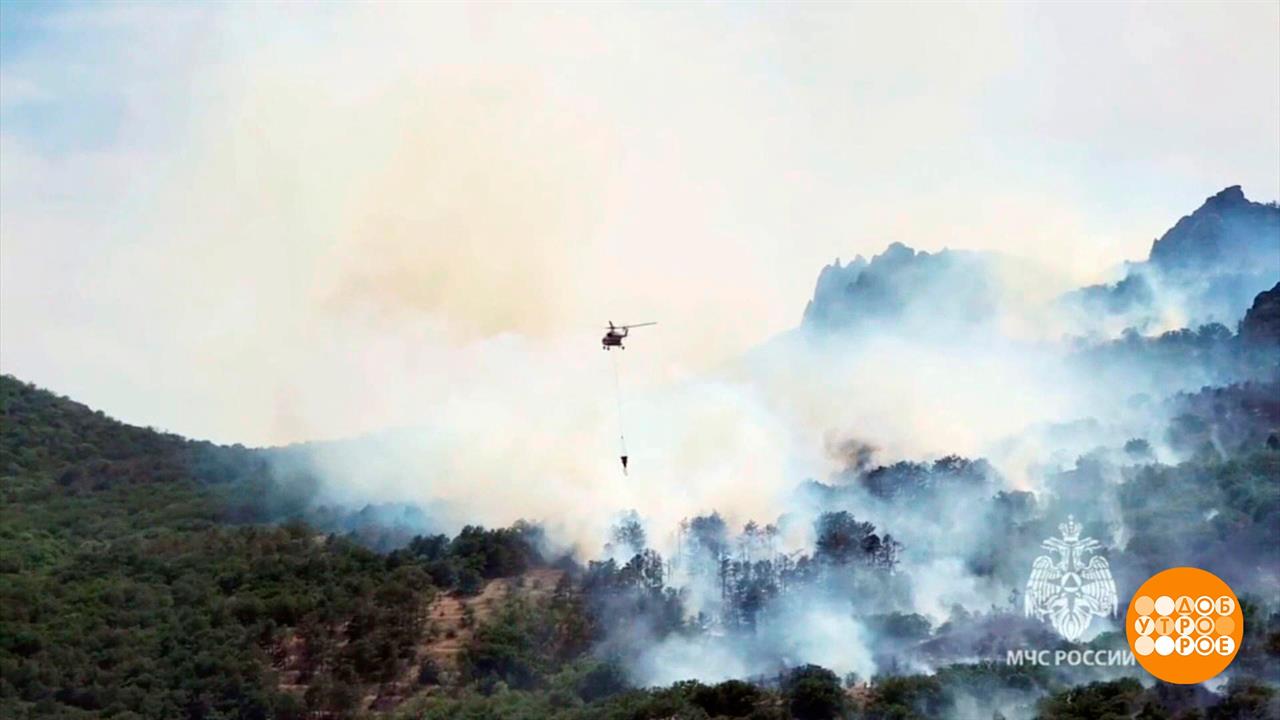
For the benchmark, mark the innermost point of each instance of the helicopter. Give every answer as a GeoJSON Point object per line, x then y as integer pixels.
{"type": "Point", "coordinates": [614, 334]}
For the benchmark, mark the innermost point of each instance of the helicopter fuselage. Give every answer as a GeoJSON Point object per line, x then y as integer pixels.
{"type": "Point", "coordinates": [613, 339]}
{"type": "Point", "coordinates": [615, 333]}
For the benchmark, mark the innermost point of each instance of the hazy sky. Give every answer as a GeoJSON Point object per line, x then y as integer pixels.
{"type": "Point", "coordinates": [271, 222]}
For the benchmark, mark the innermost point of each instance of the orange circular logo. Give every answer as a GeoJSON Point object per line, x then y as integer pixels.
{"type": "Point", "coordinates": [1184, 625]}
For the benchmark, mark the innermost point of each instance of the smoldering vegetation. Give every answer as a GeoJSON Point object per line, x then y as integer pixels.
{"type": "Point", "coordinates": [912, 568]}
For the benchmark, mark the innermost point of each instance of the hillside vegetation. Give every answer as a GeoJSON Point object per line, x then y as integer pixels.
{"type": "Point", "coordinates": [133, 586]}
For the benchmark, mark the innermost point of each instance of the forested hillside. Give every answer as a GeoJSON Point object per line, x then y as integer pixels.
{"type": "Point", "coordinates": [128, 591]}
{"type": "Point", "coordinates": [135, 583]}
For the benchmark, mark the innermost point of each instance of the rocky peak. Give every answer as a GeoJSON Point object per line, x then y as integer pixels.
{"type": "Point", "coordinates": [1227, 196]}
{"type": "Point", "coordinates": [900, 284]}
{"type": "Point", "coordinates": [1261, 324]}
{"type": "Point", "coordinates": [1227, 232]}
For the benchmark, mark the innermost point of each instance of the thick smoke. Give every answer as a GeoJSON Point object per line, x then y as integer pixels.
{"type": "Point", "coordinates": [950, 418]}
{"type": "Point", "coordinates": [520, 430]}
{"type": "Point", "coordinates": [419, 217]}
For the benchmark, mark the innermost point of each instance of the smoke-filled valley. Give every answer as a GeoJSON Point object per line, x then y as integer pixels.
{"type": "Point", "coordinates": [839, 522]}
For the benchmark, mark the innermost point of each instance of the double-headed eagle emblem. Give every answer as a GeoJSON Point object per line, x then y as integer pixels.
{"type": "Point", "coordinates": [1070, 592]}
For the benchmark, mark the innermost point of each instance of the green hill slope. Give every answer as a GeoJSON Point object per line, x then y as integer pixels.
{"type": "Point", "coordinates": [124, 594]}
